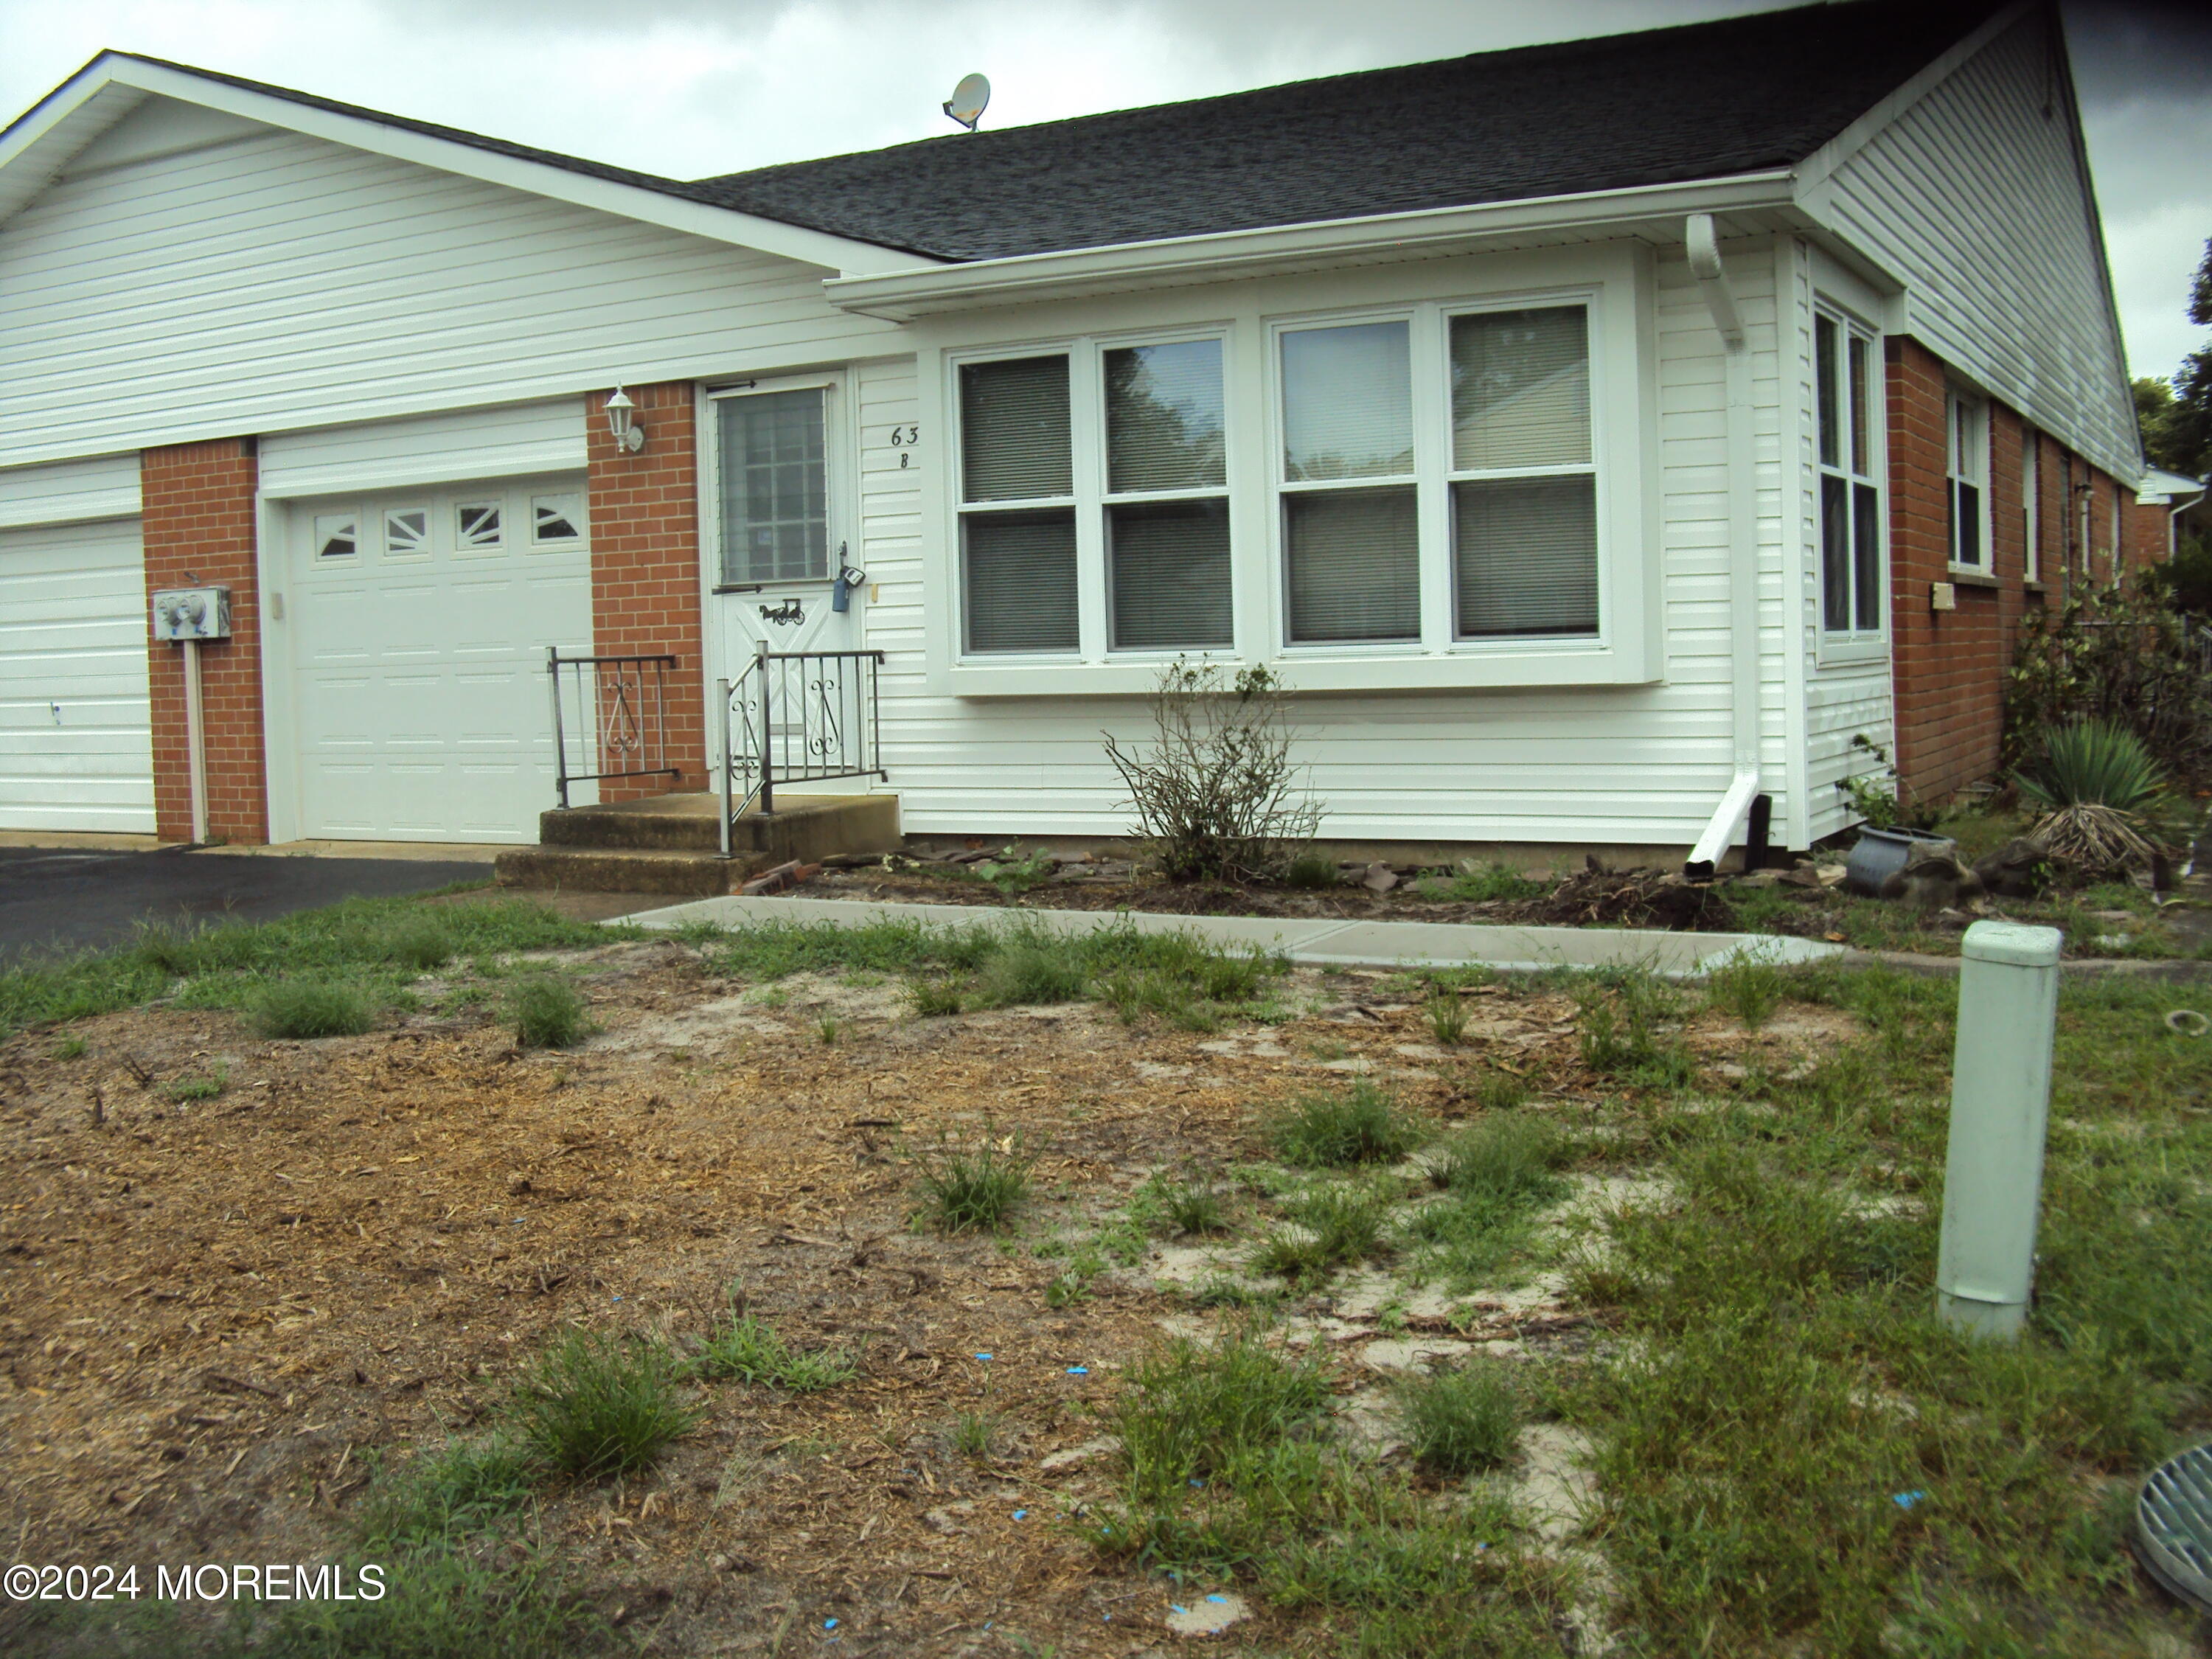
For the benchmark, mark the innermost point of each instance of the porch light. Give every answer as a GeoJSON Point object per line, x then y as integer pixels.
{"type": "Point", "coordinates": [622, 422]}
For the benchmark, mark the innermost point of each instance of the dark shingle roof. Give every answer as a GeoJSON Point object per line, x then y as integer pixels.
{"type": "Point", "coordinates": [1695, 102]}
{"type": "Point", "coordinates": [1692, 102]}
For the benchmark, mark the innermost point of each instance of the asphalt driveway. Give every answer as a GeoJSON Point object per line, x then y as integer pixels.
{"type": "Point", "coordinates": [53, 899]}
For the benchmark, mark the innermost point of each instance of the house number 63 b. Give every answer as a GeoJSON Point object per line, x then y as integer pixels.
{"type": "Point", "coordinates": [903, 439]}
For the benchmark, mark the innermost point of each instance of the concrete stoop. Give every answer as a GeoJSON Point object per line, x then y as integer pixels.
{"type": "Point", "coordinates": [672, 843]}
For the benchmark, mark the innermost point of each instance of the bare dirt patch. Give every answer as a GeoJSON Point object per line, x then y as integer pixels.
{"type": "Point", "coordinates": [215, 1312]}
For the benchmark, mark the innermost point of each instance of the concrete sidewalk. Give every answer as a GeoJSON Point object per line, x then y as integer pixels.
{"type": "Point", "coordinates": [1321, 942]}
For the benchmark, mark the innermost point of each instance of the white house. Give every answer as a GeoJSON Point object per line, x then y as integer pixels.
{"type": "Point", "coordinates": [1597, 436]}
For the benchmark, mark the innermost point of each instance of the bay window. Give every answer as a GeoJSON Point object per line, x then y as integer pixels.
{"type": "Point", "coordinates": [1098, 467]}
{"type": "Point", "coordinates": [1478, 523]}
{"type": "Point", "coordinates": [1847, 392]}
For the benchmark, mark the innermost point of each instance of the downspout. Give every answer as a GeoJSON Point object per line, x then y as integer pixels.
{"type": "Point", "coordinates": [1742, 800]}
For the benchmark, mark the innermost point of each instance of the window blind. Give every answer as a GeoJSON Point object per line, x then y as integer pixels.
{"type": "Point", "coordinates": [1347, 402]}
{"type": "Point", "coordinates": [1354, 564]}
{"type": "Point", "coordinates": [1014, 443]}
{"type": "Point", "coordinates": [1865, 553]}
{"type": "Point", "coordinates": [1169, 574]}
{"type": "Point", "coordinates": [774, 488]}
{"type": "Point", "coordinates": [1520, 384]}
{"type": "Point", "coordinates": [1835, 554]}
{"type": "Point", "coordinates": [1828, 390]}
{"type": "Point", "coordinates": [1163, 427]}
{"type": "Point", "coordinates": [1019, 570]}
{"type": "Point", "coordinates": [1525, 553]}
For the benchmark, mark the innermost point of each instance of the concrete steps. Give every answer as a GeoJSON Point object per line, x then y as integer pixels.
{"type": "Point", "coordinates": [672, 843]}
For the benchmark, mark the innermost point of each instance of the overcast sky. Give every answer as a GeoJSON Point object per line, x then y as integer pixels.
{"type": "Point", "coordinates": [688, 87]}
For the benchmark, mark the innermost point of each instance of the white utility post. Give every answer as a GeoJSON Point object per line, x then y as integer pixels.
{"type": "Point", "coordinates": [184, 616]}
{"type": "Point", "coordinates": [2000, 1109]}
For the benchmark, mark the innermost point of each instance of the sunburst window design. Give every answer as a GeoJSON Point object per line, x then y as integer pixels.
{"type": "Point", "coordinates": [337, 535]}
{"type": "Point", "coordinates": [407, 532]}
{"type": "Point", "coordinates": [554, 518]}
{"type": "Point", "coordinates": [477, 524]}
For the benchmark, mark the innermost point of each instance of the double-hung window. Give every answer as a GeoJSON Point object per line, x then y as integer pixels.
{"type": "Point", "coordinates": [2031, 506]}
{"type": "Point", "coordinates": [1846, 390]}
{"type": "Point", "coordinates": [1966, 471]}
{"type": "Point", "coordinates": [1098, 471]}
{"type": "Point", "coordinates": [772, 456]}
{"type": "Point", "coordinates": [1383, 515]}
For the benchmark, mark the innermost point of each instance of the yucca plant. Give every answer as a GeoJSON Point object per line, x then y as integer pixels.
{"type": "Point", "coordinates": [2093, 763]}
{"type": "Point", "coordinates": [2094, 781]}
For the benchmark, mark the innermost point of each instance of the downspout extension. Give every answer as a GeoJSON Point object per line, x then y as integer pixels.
{"type": "Point", "coordinates": [1742, 800]}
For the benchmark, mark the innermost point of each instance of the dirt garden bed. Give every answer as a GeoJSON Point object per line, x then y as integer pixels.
{"type": "Point", "coordinates": [238, 1276]}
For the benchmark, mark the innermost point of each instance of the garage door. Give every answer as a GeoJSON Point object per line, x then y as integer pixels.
{"type": "Point", "coordinates": [76, 747]}
{"type": "Point", "coordinates": [421, 624]}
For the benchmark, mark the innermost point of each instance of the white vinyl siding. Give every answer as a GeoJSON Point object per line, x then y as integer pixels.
{"type": "Point", "coordinates": [75, 743]}
{"type": "Point", "coordinates": [1597, 765]}
{"type": "Point", "coordinates": [546, 436]}
{"type": "Point", "coordinates": [103, 487]}
{"type": "Point", "coordinates": [277, 282]}
{"type": "Point", "coordinates": [1976, 196]}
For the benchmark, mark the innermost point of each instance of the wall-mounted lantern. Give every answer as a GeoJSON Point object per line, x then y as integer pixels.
{"type": "Point", "coordinates": [622, 422]}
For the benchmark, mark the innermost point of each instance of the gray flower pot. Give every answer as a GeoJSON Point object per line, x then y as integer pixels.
{"type": "Point", "coordinates": [1881, 854]}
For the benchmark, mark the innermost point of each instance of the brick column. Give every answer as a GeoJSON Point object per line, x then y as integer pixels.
{"type": "Point", "coordinates": [200, 532]}
{"type": "Point", "coordinates": [645, 563]}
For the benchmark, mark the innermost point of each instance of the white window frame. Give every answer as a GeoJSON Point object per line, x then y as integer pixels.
{"type": "Point", "coordinates": [1966, 463]}
{"type": "Point", "coordinates": [1090, 498]}
{"type": "Point", "coordinates": [1620, 282]}
{"type": "Point", "coordinates": [839, 445]}
{"type": "Point", "coordinates": [1429, 345]}
{"type": "Point", "coordinates": [1837, 643]}
{"type": "Point", "coordinates": [2031, 504]}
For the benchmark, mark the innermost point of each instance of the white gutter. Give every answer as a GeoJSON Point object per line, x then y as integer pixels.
{"type": "Point", "coordinates": [1702, 242]}
{"type": "Point", "coordinates": [904, 295]}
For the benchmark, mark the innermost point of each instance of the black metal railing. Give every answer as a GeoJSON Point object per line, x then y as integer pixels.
{"type": "Point", "coordinates": [797, 717]}
{"type": "Point", "coordinates": [619, 726]}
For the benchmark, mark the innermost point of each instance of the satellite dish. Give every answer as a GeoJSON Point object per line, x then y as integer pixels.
{"type": "Point", "coordinates": [968, 99]}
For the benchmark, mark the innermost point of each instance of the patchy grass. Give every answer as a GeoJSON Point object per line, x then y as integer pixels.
{"type": "Point", "coordinates": [306, 1008]}
{"type": "Point", "coordinates": [1325, 1226]}
{"type": "Point", "coordinates": [743, 1348]}
{"type": "Point", "coordinates": [197, 1085]}
{"type": "Point", "coordinates": [232, 965]}
{"type": "Point", "coordinates": [454, 1491]}
{"type": "Point", "coordinates": [1460, 1421]}
{"type": "Point", "coordinates": [1628, 1030]}
{"type": "Point", "coordinates": [598, 1404]}
{"type": "Point", "coordinates": [1362, 1124]}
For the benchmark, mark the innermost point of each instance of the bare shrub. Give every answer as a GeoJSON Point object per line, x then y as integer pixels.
{"type": "Point", "coordinates": [2112, 655]}
{"type": "Point", "coordinates": [1218, 797]}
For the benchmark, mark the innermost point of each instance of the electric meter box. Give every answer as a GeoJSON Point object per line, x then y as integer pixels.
{"type": "Point", "coordinates": [191, 613]}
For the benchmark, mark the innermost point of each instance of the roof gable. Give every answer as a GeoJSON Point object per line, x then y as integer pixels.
{"type": "Point", "coordinates": [59, 130]}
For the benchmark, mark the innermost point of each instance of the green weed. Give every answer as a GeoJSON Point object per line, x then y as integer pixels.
{"type": "Point", "coordinates": [1447, 1017]}
{"type": "Point", "coordinates": [1326, 1226]}
{"type": "Point", "coordinates": [297, 1008]}
{"type": "Point", "coordinates": [201, 1085]}
{"type": "Point", "coordinates": [1460, 1421]}
{"type": "Point", "coordinates": [934, 998]}
{"type": "Point", "coordinates": [974, 1188]}
{"type": "Point", "coordinates": [69, 1047]}
{"type": "Point", "coordinates": [598, 1404]}
{"type": "Point", "coordinates": [1310, 871]}
{"type": "Point", "coordinates": [1362, 1125]}
{"type": "Point", "coordinates": [547, 1014]}
{"type": "Point", "coordinates": [746, 1349]}
{"type": "Point", "coordinates": [1750, 985]}
{"type": "Point", "coordinates": [441, 1495]}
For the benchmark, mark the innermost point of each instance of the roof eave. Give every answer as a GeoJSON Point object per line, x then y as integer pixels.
{"type": "Point", "coordinates": [901, 297]}
{"type": "Point", "coordinates": [27, 152]}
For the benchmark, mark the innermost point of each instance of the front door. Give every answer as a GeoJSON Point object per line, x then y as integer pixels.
{"type": "Point", "coordinates": [788, 573]}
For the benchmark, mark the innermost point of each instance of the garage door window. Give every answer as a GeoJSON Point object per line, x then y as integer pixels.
{"type": "Point", "coordinates": [476, 526]}
{"type": "Point", "coordinates": [554, 518]}
{"type": "Point", "coordinates": [407, 534]}
{"type": "Point", "coordinates": [337, 535]}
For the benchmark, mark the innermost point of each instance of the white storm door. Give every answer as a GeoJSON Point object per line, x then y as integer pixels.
{"type": "Point", "coordinates": [422, 622]}
{"type": "Point", "coordinates": [776, 503]}
{"type": "Point", "coordinates": [75, 743]}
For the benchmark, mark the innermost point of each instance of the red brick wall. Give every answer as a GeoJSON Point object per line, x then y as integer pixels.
{"type": "Point", "coordinates": [199, 530]}
{"type": "Point", "coordinates": [1949, 666]}
{"type": "Point", "coordinates": [645, 562]}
